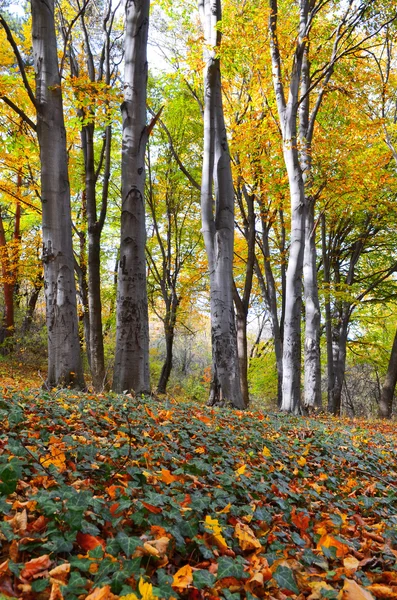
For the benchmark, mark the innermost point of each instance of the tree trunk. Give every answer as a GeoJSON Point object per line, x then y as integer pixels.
{"type": "Point", "coordinates": [218, 228]}
{"type": "Point", "coordinates": [34, 296]}
{"type": "Point", "coordinates": [339, 351]}
{"type": "Point", "coordinates": [389, 384]}
{"type": "Point", "coordinates": [241, 322]}
{"type": "Point", "coordinates": [328, 318]}
{"type": "Point", "coordinates": [272, 302]}
{"type": "Point", "coordinates": [64, 359]}
{"type": "Point", "coordinates": [131, 369]}
{"type": "Point", "coordinates": [312, 397]}
{"type": "Point", "coordinates": [167, 366]}
{"type": "Point", "coordinates": [287, 110]}
{"type": "Point", "coordinates": [95, 226]}
{"type": "Point", "coordinates": [169, 332]}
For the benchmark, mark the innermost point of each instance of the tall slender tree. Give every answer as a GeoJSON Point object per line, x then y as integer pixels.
{"type": "Point", "coordinates": [64, 359]}
{"type": "Point", "coordinates": [218, 218]}
{"type": "Point", "coordinates": [131, 368]}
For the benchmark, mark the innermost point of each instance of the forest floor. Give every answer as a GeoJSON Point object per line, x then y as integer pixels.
{"type": "Point", "coordinates": [106, 497]}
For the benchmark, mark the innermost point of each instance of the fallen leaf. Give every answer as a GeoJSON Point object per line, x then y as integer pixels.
{"type": "Point", "coordinates": [384, 592]}
{"type": "Point", "coordinates": [56, 593]}
{"type": "Point", "coordinates": [183, 577]}
{"type": "Point", "coordinates": [352, 591]}
{"type": "Point", "coordinates": [351, 563]}
{"type": "Point", "coordinates": [212, 525]}
{"type": "Point", "coordinates": [317, 588]}
{"type": "Point", "coordinates": [246, 537]}
{"type": "Point", "coordinates": [102, 593]}
{"type": "Point", "coordinates": [151, 508]}
{"type": "Point", "coordinates": [35, 566]}
{"type": "Point", "coordinates": [88, 542]}
{"type": "Point", "coordinates": [60, 573]}
{"type": "Point", "coordinates": [328, 541]}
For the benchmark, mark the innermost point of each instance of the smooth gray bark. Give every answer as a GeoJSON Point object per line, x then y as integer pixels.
{"type": "Point", "coordinates": [218, 220]}
{"type": "Point", "coordinates": [328, 315]}
{"type": "Point", "coordinates": [287, 110]}
{"type": "Point", "coordinates": [131, 369]}
{"type": "Point", "coordinates": [64, 359]}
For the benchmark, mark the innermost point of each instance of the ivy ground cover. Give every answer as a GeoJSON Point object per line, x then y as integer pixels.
{"type": "Point", "coordinates": [107, 497]}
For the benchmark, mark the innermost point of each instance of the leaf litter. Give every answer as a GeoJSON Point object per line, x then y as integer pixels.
{"type": "Point", "coordinates": [109, 497]}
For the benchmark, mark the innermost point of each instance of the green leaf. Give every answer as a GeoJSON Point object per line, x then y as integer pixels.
{"type": "Point", "coordinates": [203, 578]}
{"type": "Point", "coordinates": [40, 585]}
{"type": "Point", "coordinates": [229, 567]}
{"type": "Point", "coordinates": [128, 544]}
{"type": "Point", "coordinates": [286, 579]}
{"type": "Point", "coordinates": [9, 481]}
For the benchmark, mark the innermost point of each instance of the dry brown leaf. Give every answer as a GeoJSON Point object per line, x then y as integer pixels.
{"type": "Point", "coordinates": [13, 551]}
{"type": "Point", "coordinates": [60, 573]}
{"type": "Point", "coordinates": [382, 591]}
{"type": "Point", "coordinates": [56, 593]}
{"type": "Point", "coordinates": [353, 591]}
{"type": "Point", "coordinates": [154, 547]}
{"type": "Point", "coordinates": [35, 566]}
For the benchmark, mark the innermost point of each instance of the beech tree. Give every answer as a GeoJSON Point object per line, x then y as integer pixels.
{"type": "Point", "coordinates": [218, 218]}
{"type": "Point", "coordinates": [64, 358]}
{"type": "Point", "coordinates": [131, 367]}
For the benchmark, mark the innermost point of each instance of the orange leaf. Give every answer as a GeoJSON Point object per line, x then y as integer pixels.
{"type": "Point", "coordinates": [151, 508]}
{"type": "Point", "coordinates": [168, 477]}
{"type": "Point", "coordinates": [56, 593]}
{"type": "Point", "coordinates": [103, 593]}
{"type": "Point", "coordinates": [353, 591]}
{"type": "Point", "coordinates": [88, 541]}
{"type": "Point", "coordinates": [300, 520]}
{"type": "Point", "coordinates": [35, 565]}
{"type": "Point", "coordinates": [203, 419]}
{"type": "Point", "coordinates": [384, 592]}
{"type": "Point", "coordinates": [184, 577]}
{"type": "Point", "coordinates": [328, 541]}
{"type": "Point", "coordinates": [113, 509]}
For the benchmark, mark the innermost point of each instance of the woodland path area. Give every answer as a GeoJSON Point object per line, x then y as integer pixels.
{"type": "Point", "coordinates": [110, 496]}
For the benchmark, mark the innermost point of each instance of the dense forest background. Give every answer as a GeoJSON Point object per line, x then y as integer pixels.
{"type": "Point", "coordinates": [309, 100]}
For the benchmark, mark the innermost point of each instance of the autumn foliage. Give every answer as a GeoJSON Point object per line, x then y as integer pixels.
{"type": "Point", "coordinates": [118, 497]}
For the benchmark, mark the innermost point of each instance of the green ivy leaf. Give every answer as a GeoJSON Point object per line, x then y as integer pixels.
{"type": "Point", "coordinates": [286, 579]}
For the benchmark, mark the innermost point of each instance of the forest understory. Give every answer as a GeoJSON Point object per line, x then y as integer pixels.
{"type": "Point", "coordinates": [107, 496]}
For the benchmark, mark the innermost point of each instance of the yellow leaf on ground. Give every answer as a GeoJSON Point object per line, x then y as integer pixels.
{"type": "Point", "coordinates": [212, 525]}
{"type": "Point", "coordinates": [301, 461]}
{"type": "Point", "coordinates": [266, 452]}
{"type": "Point", "coordinates": [241, 470]}
{"type": "Point", "coordinates": [352, 591]}
{"type": "Point", "coordinates": [246, 537]}
{"type": "Point", "coordinates": [317, 588]}
{"type": "Point", "coordinates": [184, 577]}
{"type": "Point", "coordinates": [145, 590]}
{"type": "Point", "coordinates": [225, 510]}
